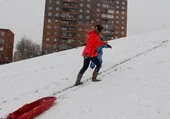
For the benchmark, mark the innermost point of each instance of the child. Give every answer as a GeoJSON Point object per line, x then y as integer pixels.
{"type": "Point", "coordinates": [100, 53]}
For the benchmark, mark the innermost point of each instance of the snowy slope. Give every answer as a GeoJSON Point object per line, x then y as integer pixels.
{"type": "Point", "coordinates": [135, 81]}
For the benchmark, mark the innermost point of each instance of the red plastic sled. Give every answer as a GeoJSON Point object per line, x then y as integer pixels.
{"type": "Point", "coordinates": [31, 110]}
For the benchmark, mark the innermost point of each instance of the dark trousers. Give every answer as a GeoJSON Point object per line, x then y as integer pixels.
{"type": "Point", "coordinates": [87, 62]}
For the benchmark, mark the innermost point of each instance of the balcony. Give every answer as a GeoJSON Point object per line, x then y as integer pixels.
{"type": "Point", "coordinates": [69, 5]}
{"type": "Point", "coordinates": [68, 31]}
{"type": "Point", "coordinates": [67, 35]}
{"type": "Point", "coordinates": [68, 10]}
{"type": "Point", "coordinates": [70, 1]}
{"type": "Point", "coordinates": [69, 19]}
{"type": "Point", "coordinates": [68, 23]}
{"type": "Point", "coordinates": [67, 16]}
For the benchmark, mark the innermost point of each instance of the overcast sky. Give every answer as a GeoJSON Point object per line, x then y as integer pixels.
{"type": "Point", "coordinates": [147, 15]}
{"type": "Point", "coordinates": [25, 17]}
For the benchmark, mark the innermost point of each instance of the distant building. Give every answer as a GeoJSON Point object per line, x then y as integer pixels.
{"type": "Point", "coordinates": [6, 45]}
{"type": "Point", "coordinates": [66, 22]}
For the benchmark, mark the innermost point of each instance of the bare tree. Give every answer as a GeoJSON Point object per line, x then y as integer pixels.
{"type": "Point", "coordinates": [27, 48]}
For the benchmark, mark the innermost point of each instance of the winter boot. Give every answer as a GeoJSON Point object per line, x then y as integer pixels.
{"type": "Point", "coordinates": [78, 81]}
{"type": "Point", "coordinates": [95, 73]}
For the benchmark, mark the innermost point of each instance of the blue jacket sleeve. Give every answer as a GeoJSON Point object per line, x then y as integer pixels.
{"type": "Point", "coordinates": [105, 46]}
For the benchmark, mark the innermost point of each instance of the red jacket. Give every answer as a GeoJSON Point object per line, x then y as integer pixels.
{"type": "Point", "coordinates": [92, 43]}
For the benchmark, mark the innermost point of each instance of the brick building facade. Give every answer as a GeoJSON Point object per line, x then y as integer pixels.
{"type": "Point", "coordinates": [6, 45]}
{"type": "Point", "coordinates": [66, 22]}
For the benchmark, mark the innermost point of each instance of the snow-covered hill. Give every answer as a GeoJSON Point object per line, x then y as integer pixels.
{"type": "Point", "coordinates": [135, 81]}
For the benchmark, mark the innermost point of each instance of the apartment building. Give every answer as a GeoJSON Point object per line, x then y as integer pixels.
{"type": "Point", "coordinates": [6, 45]}
{"type": "Point", "coordinates": [66, 22]}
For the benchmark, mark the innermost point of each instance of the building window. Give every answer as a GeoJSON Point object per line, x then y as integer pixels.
{"type": "Point", "coordinates": [79, 35]}
{"type": "Point", "coordinates": [105, 5]}
{"type": "Point", "coordinates": [1, 49]}
{"type": "Point", "coordinates": [1, 41]}
{"type": "Point", "coordinates": [80, 23]}
{"type": "Point", "coordinates": [50, 1]}
{"type": "Point", "coordinates": [55, 27]}
{"type": "Point", "coordinates": [105, 26]}
{"type": "Point", "coordinates": [1, 55]}
{"type": "Point", "coordinates": [63, 28]}
{"type": "Point", "coordinates": [49, 20]}
{"type": "Point", "coordinates": [122, 33]}
{"type": "Point", "coordinates": [117, 32]}
{"type": "Point", "coordinates": [64, 34]}
{"type": "Point", "coordinates": [57, 8]}
{"type": "Point", "coordinates": [117, 7]}
{"type": "Point", "coordinates": [54, 46]}
{"type": "Point", "coordinates": [110, 21]}
{"type": "Point", "coordinates": [48, 39]}
{"type": "Point", "coordinates": [48, 33]}
{"type": "Point", "coordinates": [49, 14]}
{"type": "Point", "coordinates": [55, 33]}
{"type": "Point", "coordinates": [56, 21]}
{"type": "Point", "coordinates": [117, 12]}
{"type": "Point", "coordinates": [48, 26]}
{"type": "Point", "coordinates": [111, 26]}
{"type": "Point", "coordinates": [123, 18]}
{"type": "Point", "coordinates": [47, 45]}
{"type": "Point", "coordinates": [87, 17]}
{"type": "Point", "coordinates": [56, 14]}
{"type": "Point", "coordinates": [116, 27]}
{"type": "Point", "coordinates": [88, 6]}
{"type": "Point", "coordinates": [57, 2]}
{"type": "Point", "coordinates": [69, 41]}
{"type": "Point", "coordinates": [123, 23]}
{"type": "Point", "coordinates": [81, 5]}
{"type": "Point", "coordinates": [80, 17]}
{"type": "Point", "coordinates": [117, 22]}
{"type": "Point", "coordinates": [50, 8]}
{"type": "Point", "coordinates": [55, 40]}
{"type": "Point", "coordinates": [107, 16]}
{"type": "Point", "coordinates": [111, 11]}
{"type": "Point", "coordinates": [2, 33]}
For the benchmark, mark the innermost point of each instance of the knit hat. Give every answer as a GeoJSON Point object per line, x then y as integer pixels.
{"type": "Point", "coordinates": [99, 28]}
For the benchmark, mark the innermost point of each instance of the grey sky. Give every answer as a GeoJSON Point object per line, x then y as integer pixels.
{"type": "Point", "coordinates": [25, 17]}
{"type": "Point", "coordinates": [147, 15]}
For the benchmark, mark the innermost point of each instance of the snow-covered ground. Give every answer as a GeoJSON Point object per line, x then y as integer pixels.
{"type": "Point", "coordinates": [135, 81]}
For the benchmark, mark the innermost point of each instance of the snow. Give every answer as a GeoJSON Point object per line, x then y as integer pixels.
{"type": "Point", "coordinates": [135, 81]}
